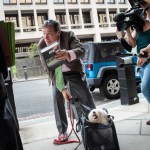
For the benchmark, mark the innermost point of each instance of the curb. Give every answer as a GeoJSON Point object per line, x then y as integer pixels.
{"type": "Point", "coordinates": [30, 79]}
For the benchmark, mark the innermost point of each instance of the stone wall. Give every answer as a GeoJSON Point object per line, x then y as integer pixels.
{"type": "Point", "coordinates": [34, 67]}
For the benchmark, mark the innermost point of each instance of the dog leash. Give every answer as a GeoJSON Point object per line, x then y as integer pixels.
{"type": "Point", "coordinates": [56, 141]}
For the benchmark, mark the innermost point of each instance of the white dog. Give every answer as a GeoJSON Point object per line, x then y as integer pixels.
{"type": "Point", "coordinates": [98, 116]}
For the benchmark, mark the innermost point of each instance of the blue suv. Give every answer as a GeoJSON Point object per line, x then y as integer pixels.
{"type": "Point", "coordinates": [101, 69]}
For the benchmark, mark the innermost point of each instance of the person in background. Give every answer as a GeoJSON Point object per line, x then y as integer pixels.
{"type": "Point", "coordinates": [70, 50]}
{"type": "Point", "coordinates": [14, 71]}
{"type": "Point", "coordinates": [146, 49]}
{"type": "Point", "coordinates": [141, 39]}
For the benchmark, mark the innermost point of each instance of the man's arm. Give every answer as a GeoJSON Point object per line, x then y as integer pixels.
{"type": "Point", "coordinates": [76, 46]}
{"type": "Point", "coordinates": [76, 50]}
{"type": "Point", "coordinates": [66, 94]}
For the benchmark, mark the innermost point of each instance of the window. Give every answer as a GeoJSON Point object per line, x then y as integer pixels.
{"type": "Point", "coordinates": [108, 50]}
{"type": "Point", "coordinates": [85, 40]}
{"type": "Point", "coordinates": [86, 17]}
{"type": "Point", "coordinates": [25, 1]}
{"type": "Point", "coordinates": [109, 38]}
{"type": "Point", "coordinates": [74, 17]}
{"type": "Point", "coordinates": [87, 47]}
{"type": "Point", "coordinates": [112, 13]}
{"type": "Point", "coordinates": [41, 1]}
{"type": "Point", "coordinates": [28, 20]}
{"type": "Point", "coordinates": [61, 17]}
{"type": "Point", "coordinates": [24, 47]}
{"type": "Point", "coordinates": [121, 1]}
{"type": "Point", "coordinates": [123, 10]}
{"type": "Point", "coordinates": [100, 1]}
{"type": "Point", "coordinates": [72, 1]}
{"type": "Point", "coordinates": [102, 17]}
{"type": "Point", "coordinates": [40, 18]}
{"type": "Point", "coordinates": [84, 1]}
{"type": "Point", "coordinates": [10, 1]}
{"type": "Point", "coordinates": [111, 1]}
{"type": "Point", "coordinates": [58, 1]}
{"type": "Point", "coordinates": [12, 18]}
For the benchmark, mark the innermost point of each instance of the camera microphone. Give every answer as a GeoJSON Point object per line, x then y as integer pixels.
{"type": "Point", "coordinates": [134, 12]}
{"type": "Point", "coordinates": [119, 17]}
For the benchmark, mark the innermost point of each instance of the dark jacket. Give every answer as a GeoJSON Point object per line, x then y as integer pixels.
{"type": "Point", "coordinates": [9, 134]}
{"type": "Point", "coordinates": [70, 42]}
{"type": "Point", "coordinates": [3, 67]}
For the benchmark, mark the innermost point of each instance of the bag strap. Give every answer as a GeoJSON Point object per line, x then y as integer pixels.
{"type": "Point", "coordinates": [56, 141]}
{"type": "Point", "coordinates": [111, 117]}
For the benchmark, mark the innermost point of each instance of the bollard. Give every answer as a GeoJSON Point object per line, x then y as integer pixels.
{"type": "Point", "coordinates": [25, 72]}
{"type": "Point", "coordinates": [127, 80]}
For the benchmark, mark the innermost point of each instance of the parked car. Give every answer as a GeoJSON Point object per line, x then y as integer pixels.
{"type": "Point", "coordinates": [101, 69]}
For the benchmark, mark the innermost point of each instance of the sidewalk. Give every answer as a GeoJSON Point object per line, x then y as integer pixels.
{"type": "Point", "coordinates": [133, 133]}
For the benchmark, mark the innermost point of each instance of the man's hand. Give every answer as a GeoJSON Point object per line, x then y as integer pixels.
{"type": "Point", "coordinates": [141, 61]}
{"type": "Point", "coordinates": [146, 49]}
{"type": "Point", "coordinates": [62, 54]}
{"type": "Point", "coordinates": [66, 94]}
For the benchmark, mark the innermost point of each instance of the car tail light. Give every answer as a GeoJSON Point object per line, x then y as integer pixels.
{"type": "Point", "coordinates": [90, 67]}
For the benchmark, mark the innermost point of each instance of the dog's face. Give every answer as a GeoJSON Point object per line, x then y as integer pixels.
{"type": "Point", "coordinates": [98, 116]}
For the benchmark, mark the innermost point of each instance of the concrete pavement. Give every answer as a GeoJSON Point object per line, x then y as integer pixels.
{"type": "Point", "coordinates": [133, 133]}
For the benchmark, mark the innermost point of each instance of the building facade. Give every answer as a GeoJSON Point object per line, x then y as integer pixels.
{"type": "Point", "coordinates": [91, 20]}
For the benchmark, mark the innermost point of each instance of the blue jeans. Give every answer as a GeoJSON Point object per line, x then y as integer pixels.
{"type": "Point", "coordinates": [145, 84]}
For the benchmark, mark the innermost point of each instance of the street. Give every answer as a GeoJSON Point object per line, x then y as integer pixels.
{"type": "Point", "coordinates": [34, 99]}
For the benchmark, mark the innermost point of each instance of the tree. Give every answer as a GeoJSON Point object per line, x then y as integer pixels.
{"type": "Point", "coordinates": [33, 50]}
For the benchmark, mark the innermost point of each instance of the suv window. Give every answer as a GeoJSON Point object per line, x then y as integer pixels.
{"type": "Point", "coordinates": [108, 51]}
{"type": "Point", "coordinates": [100, 52]}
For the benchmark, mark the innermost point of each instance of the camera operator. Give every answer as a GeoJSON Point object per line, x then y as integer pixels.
{"type": "Point", "coordinates": [147, 49]}
{"type": "Point", "coordinates": [141, 39]}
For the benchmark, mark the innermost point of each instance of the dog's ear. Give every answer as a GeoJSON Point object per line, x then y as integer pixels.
{"type": "Point", "coordinates": [105, 110]}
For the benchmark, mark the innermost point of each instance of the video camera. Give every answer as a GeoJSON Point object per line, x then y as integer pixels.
{"type": "Point", "coordinates": [131, 18]}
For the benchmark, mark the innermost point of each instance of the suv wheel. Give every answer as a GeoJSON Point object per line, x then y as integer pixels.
{"type": "Point", "coordinates": [110, 87]}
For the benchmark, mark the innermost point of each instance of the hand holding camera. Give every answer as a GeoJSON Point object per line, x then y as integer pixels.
{"type": "Point", "coordinates": [146, 50]}
{"type": "Point", "coordinates": [143, 55]}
